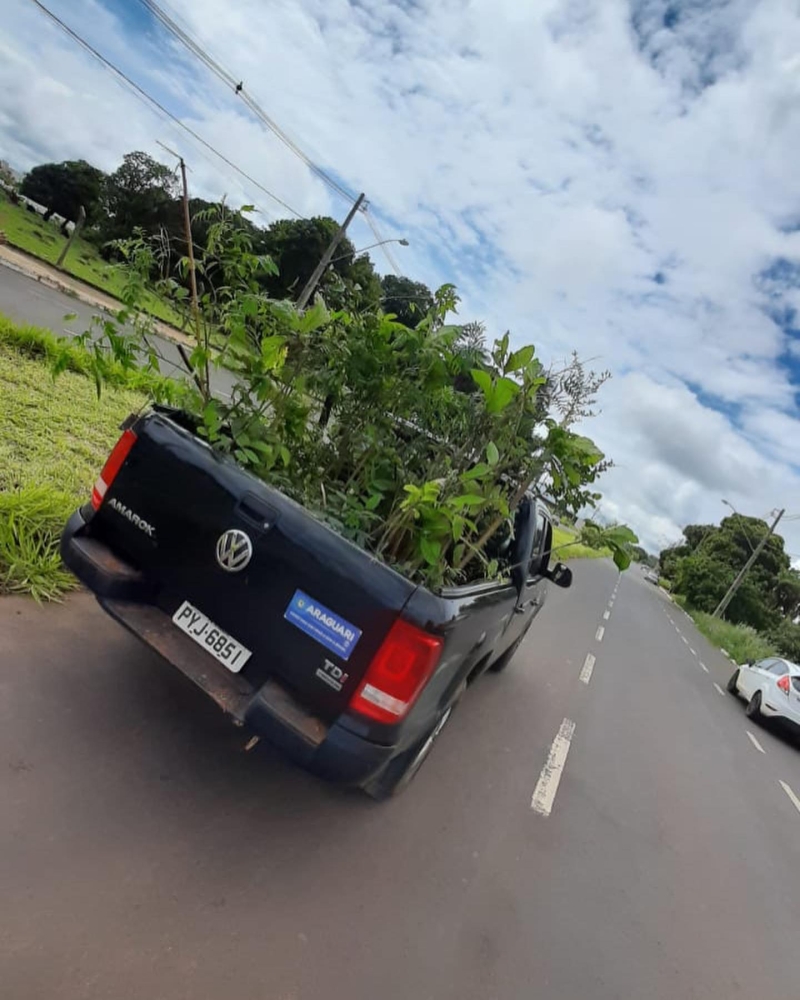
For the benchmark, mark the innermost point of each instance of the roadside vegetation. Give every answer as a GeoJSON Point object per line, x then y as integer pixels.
{"type": "Point", "coordinates": [741, 641]}
{"type": "Point", "coordinates": [567, 544]}
{"type": "Point", "coordinates": [54, 438]}
{"type": "Point", "coordinates": [29, 232]}
{"type": "Point", "coordinates": [760, 619]}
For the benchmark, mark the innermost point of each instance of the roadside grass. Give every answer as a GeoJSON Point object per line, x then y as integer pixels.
{"type": "Point", "coordinates": [28, 231]}
{"type": "Point", "coordinates": [40, 343]}
{"type": "Point", "coordinates": [665, 583]}
{"type": "Point", "coordinates": [566, 546]}
{"type": "Point", "coordinates": [741, 641]}
{"type": "Point", "coordinates": [54, 438]}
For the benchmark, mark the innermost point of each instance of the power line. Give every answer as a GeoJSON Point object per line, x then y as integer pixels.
{"type": "Point", "coordinates": [160, 107]}
{"type": "Point", "coordinates": [382, 240]}
{"type": "Point", "coordinates": [237, 87]}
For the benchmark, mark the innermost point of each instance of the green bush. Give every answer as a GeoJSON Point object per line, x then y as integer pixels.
{"type": "Point", "coordinates": [741, 641]}
{"type": "Point", "coordinates": [786, 637]}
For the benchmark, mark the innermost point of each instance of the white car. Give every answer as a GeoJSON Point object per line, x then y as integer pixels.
{"type": "Point", "coordinates": [770, 687]}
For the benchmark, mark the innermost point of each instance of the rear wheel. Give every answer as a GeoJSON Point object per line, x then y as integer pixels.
{"type": "Point", "coordinates": [731, 685]}
{"type": "Point", "coordinates": [398, 773]}
{"type": "Point", "coordinates": [753, 709]}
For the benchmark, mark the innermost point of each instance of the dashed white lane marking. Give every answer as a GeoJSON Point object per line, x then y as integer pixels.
{"type": "Point", "coordinates": [683, 637]}
{"type": "Point", "coordinates": [755, 742]}
{"type": "Point", "coordinates": [704, 666]}
{"type": "Point", "coordinates": [606, 615]}
{"type": "Point", "coordinates": [588, 666]}
{"type": "Point", "coordinates": [792, 797]}
{"type": "Point", "coordinates": [692, 651]}
{"type": "Point", "coordinates": [544, 794]}
{"type": "Point", "coordinates": [600, 633]}
{"type": "Point", "coordinates": [719, 689]}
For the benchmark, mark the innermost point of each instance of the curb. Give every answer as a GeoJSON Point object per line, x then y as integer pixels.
{"type": "Point", "coordinates": [50, 281]}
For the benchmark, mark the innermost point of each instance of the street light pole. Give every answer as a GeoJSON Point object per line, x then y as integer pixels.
{"type": "Point", "coordinates": [398, 239]}
{"type": "Point", "coordinates": [719, 611]}
{"type": "Point", "coordinates": [312, 282]}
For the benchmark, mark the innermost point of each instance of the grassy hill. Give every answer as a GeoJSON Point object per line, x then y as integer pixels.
{"type": "Point", "coordinates": [29, 232]}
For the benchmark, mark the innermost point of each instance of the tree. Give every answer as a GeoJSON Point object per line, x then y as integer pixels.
{"type": "Point", "coordinates": [704, 567]}
{"type": "Point", "coordinates": [297, 245]}
{"type": "Point", "coordinates": [64, 187]}
{"type": "Point", "coordinates": [407, 300]}
{"type": "Point", "coordinates": [140, 194]}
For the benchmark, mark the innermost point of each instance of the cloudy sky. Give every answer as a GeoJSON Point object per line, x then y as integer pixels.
{"type": "Point", "coordinates": [622, 178]}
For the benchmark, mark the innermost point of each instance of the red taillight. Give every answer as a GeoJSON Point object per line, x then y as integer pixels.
{"type": "Point", "coordinates": [112, 467]}
{"type": "Point", "coordinates": [783, 684]}
{"type": "Point", "coordinates": [397, 674]}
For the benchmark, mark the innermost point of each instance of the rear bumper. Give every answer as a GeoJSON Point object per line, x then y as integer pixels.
{"type": "Point", "coordinates": [270, 711]}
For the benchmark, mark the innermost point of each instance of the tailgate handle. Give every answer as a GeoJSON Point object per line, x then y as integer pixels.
{"type": "Point", "coordinates": [256, 511]}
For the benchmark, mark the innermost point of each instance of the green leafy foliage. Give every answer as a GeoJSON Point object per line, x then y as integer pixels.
{"type": "Point", "coordinates": [417, 442]}
{"type": "Point", "coordinates": [617, 538]}
{"type": "Point", "coordinates": [706, 563]}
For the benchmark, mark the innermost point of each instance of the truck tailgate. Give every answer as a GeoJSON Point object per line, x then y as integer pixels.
{"type": "Point", "coordinates": [311, 607]}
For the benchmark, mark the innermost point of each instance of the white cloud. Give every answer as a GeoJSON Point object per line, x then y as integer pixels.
{"type": "Point", "coordinates": [603, 175]}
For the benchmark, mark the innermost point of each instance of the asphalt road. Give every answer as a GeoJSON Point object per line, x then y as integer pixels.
{"type": "Point", "coordinates": [144, 854]}
{"type": "Point", "coordinates": [26, 300]}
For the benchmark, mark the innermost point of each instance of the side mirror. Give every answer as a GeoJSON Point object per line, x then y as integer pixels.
{"type": "Point", "coordinates": [561, 575]}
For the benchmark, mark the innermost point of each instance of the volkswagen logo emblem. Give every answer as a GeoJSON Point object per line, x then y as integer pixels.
{"type": "Point", "coordinates": [234, 550]}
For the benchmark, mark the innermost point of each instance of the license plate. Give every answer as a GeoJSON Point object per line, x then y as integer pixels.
{"type": "Point", "coordinates": [228, 651]}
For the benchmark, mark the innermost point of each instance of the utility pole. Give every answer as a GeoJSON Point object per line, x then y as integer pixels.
{"type": "Point", "coordinates": [72, 236]}
{"type": "Point", "coordinates": [204, 383]}
{"type": "Point", "coordinates": [719, 611]}
{"type": "Point", "coordinates": [319, 270]}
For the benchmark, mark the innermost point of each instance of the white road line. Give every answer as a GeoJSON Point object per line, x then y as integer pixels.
{"type": "Point", "coordinates": [546, 787]}
{"type": "Point", "coordinates": [755, 742]}
{"type": "Point", "coordinates": [606, 615]}
{"type": "Point", "coordinates": [588, 666]}
{"type": "Point", "coordinates": [683, 637]}
{"type": "Point", "coordinates": [704, 666]}
{"type": "Point", "coordinates": [793, 798]}
{"type": "Point", "coordinates": [600, 633]}
{"type": "Point", "coordinates": [692, 651]}
{"type": "Point", "coordinates": [719, 689]}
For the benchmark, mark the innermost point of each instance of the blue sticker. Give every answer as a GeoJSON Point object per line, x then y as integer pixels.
{"type": "Point", "coordinates": [322, 624]}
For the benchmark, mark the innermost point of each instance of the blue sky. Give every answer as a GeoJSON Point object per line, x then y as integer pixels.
{"type": "Point", "coordinates": [614, 177]}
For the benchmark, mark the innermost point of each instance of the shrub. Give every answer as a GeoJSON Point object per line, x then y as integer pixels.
{"type": "Point", "coordinates": [786, 637]}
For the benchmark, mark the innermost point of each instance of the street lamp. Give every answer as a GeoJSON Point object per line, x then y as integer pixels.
{"type": "Point", "coordinates": [402, 241]}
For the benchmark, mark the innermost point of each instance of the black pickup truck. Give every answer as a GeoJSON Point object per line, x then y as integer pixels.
{"type": "Point", "coordinates": [299, 635]}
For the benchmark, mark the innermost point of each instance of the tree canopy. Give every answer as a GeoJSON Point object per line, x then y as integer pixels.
{"type": "Point", "coordinates": [408, 300]}
{"type": "Point", "coordinates": [64, 187]}
{"type": "Point", "coordinates": [703, 567]}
